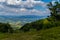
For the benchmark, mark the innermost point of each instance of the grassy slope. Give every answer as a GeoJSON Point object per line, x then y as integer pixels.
{"type": "Point", "coordinates": [48, 34]}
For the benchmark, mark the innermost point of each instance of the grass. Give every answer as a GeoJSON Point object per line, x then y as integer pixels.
{"type": "Point", "coordinates": [47, 34]}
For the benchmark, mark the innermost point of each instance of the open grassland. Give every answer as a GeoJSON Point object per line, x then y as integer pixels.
{"type": "Point", "coordinates": [47, 34]}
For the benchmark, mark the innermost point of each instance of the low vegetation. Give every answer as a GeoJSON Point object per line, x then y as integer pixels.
{"type": "Point", "coordinates": [46, 34]}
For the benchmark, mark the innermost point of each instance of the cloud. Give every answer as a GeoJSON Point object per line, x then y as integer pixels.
{"type": "Point", "coordinates": [28, 3]}
{"type": "Point", "coordinates": [24, 11]}
{"type": "Point", "coordinates": [11, 7]}
{"type": "Point", "coordinates": [2, 0]}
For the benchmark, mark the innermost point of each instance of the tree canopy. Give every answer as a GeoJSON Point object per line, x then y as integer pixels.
{"type": "Point", "coordinates": [55, 10]}
{"type": "Point", "coordinates": [5, 27]}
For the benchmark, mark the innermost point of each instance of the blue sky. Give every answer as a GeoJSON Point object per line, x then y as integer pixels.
{"type": "Point", "coordinates": [47, 0]}
{"type": "Point", "coordinates": [30, 7]}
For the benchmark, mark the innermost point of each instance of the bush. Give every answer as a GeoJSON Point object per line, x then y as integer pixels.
{"type": "Point", "coordinates": [5, 27]}
{"type": "Point", "coordinates": [25, 28]}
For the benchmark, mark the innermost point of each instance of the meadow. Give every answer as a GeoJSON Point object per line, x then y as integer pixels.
{"type": "Point", "coordinates": [47, 34]}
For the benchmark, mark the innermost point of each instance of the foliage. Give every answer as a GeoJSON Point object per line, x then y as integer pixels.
{"type": "Point", "coordinates": [48, 34]}
{"type": "Point", "coordinates": [41, 24]}
{"type": "Point", "coordinates": [55, 10]}
{"type": "Point", "coordinates": [5, 27]}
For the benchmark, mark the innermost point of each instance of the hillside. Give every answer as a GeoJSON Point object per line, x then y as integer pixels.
{"type": "Point", "coordinates": [48, 34]}
{"type": "Point", "coordinates": [41, 24]}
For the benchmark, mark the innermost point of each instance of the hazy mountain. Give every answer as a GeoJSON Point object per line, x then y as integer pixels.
{"type": "Point", "coordinates": [23, 19]}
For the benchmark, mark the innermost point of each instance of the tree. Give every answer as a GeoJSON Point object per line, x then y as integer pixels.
{"type": "Point", "coordinates": [5, 27]}
{"type": "Point", "coordinates": [55, 10]}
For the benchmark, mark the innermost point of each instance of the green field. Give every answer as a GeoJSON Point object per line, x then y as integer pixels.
{"type": "Point", "coordinates": [47, 34]}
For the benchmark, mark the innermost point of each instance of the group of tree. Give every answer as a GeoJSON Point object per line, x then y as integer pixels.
{"type": "Point", "coordinates": [5, 28]}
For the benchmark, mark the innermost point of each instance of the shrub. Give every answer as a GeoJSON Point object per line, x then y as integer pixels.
{"type": "Point", "coordinates": [5, 27]}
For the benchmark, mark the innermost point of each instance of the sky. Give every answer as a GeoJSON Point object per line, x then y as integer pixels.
{"type": "Point", "coordinates": [25, 7]}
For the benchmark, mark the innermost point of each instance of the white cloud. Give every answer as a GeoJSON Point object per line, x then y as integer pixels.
{"type": "Point", "coordinates": [29, 3]}
{"type": "Point", "coordinates": [5, 9]}
{"type": "Point", "coordinates": [2, 0]}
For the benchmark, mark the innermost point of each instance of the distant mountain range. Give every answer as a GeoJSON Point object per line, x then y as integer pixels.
{"type": "Point", "coordinates": [22, 19]}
